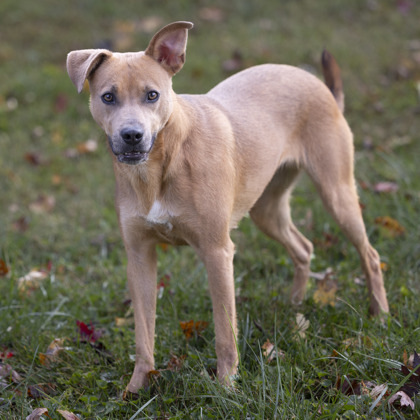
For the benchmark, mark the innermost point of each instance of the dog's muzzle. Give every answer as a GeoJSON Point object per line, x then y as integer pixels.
{"type": "Point", "coordinates": [132, 145]}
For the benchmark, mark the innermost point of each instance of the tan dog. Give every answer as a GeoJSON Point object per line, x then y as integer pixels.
{"type": "Point", "coordinates": [189, 167]}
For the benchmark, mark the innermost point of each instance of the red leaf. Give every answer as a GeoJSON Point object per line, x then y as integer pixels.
{"type": "Point", "coordinates": [86, 333]}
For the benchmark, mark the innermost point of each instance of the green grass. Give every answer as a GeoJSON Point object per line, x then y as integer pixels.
{"type": "Point", "coordinates": [40, 112]}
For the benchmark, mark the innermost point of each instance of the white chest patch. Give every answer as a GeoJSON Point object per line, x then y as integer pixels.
{"type": "Point", "coordinates": [159, 215]}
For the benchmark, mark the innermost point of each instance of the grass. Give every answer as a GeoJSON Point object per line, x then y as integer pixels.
{"type": "Point", "coordinates": [41, 117]}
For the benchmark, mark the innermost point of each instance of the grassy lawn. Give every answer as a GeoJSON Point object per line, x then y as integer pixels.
{"type": "Point", "coordinates": [58, 221]}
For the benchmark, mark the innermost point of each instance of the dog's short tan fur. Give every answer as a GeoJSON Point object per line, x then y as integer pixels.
{"type": "Point", "coordinates": [189, 167]}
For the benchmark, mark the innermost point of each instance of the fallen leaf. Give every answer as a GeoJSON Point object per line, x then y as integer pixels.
{"type": "Point", "coordinates": [412, 386]}
{"type": "Point", "coordinates": [6, 371]}
{"type": "Point", "coordinates": [403, 399]}
{"type": "Point", "coordinates": [53, 351]}
{"type": "Point", "coordinates": [152, 374]}
{"type": "Point", "coordinates": [385, 187]}
{"type": "Point", "coordinates": [378, 390]}
{"type": "Point", "coordinates": [68, 415]}
{"type": "Point", "coordinates": [302, 324]}
{"type": "Point", "coordinates": [35, 159]}
{"type": "Point", "coordinates": [88, 333]}
{"type": "Point", "coordinates": [89, 146]}
{"type": "Point", "coordinates": [3, 268]}
{"type": "Point", "coordinates": [124, 322]}
{"type": "Point", "coordinates": [37, 414]}
{"type": "Point", "coordinates": [348, 386]}
{"type": "Point", "coordinates": [190, 328]}
{"type": "Point", "coordinates": [164, 247]}
{"type": "Point", "coordinates": [43, 204]}
{"type": "Point", "coordinates": [326, 290]}
{"type": "Point", "coordinates": [164, 281]}
{"type": "Point", "coordinates": [327, 241]}
{"type": "Point", "coordinates": [270, 352]}
{"type": "Point", "coordinates": [176, 362]}
{"type": "Point", "coordinates": [31, 281]}
{"type": "Point", "coordinates": [20, 225]}
{"type": "Point", "coordinates": [41, 390]}
{"type": "Point", "coordinates": [6, 354]}
{"type": "Point", "coordinates": [384, 266]}
{"type": "Point", "coordinates": [390, 226]}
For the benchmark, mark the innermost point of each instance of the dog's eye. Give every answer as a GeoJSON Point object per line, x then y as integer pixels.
{"type": "Point", "coordinates": [152, 96]}
{"type": "Point", "coordinates": [108, 98]}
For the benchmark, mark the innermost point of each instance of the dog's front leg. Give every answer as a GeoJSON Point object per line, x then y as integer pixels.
{"type": "Point", "coordinates": [219, 265]}
{"type": "Point", "coordinates": [141, 273]}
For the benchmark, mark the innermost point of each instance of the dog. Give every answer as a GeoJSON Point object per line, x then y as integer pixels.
{"type": "Point", "coordinates": [189, 167]}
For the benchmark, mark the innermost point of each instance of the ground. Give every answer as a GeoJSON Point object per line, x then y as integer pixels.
{"type": "Point", "coordinates": [58, 222]}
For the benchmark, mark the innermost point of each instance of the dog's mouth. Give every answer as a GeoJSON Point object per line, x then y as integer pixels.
{"type": "Point", "coordinates": [132, 158]}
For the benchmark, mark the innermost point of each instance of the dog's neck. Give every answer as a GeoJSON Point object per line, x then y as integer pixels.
{"type": "Point", "coordinates": [150, 179]}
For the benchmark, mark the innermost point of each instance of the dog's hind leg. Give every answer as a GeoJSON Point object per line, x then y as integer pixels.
{"type": "Point", "coordinates": [330, 165]}
{"type": "Point", "coordinates": [271, 214]}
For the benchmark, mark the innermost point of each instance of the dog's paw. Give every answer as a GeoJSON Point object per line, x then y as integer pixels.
{"type": "Point", "coordinates": [130, 396]}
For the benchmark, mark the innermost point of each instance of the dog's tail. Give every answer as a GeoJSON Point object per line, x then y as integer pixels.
{"type": "Point", "coordinates": [332, 76]}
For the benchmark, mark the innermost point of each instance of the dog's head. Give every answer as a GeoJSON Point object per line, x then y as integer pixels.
{"type": "Point", "coordinates": [131, 93]}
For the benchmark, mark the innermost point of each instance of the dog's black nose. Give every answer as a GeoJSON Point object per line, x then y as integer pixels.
{"type": "Point", "coordinates": [132, 136]}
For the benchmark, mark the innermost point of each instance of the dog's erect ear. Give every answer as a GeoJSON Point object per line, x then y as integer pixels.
{"type": "Point", "coordinates": [81, 64]}
{"type": "Point", "coordinates": [168, 46]}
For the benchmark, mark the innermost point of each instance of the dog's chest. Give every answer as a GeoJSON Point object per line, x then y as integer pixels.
{"type": "Point", "coordinates": [161, 219]}
{"type": "Point", "coordinates": [160, 215]}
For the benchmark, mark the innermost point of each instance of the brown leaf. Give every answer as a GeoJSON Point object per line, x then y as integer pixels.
{"type": "Point", "coordinates": [53, 351]}
{"type": "Point", "coordinates": [190, 328]}
{"type": "Point", "coordinates": [41, 390]}
{"type": "Point", "coordinates": [176, 363]}
{"type": "Point", "coordinates": [270, 352]}
{"type": "Point", "coordinates": [35, 158]}
{"type": "Point", "coordinates": [20, 225]}
{"type": "Point", "coordinates": [37, 414]}
{"type": "Point", "coordinates": [68, 415]}
{"type": "Point", "coordinates": [6, 371]}
{"type": "Point", "coordinates": [348, 386]}
{"type": "Point", "coordinates": [3, 268]}
{"type": "Point", "coordinates": [43, 204]}
{"type": "Point", "coordinates": [390, 226]}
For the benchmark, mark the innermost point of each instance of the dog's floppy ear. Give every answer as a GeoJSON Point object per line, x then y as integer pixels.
{"type": "Point", "coordinates": [168, 46]}
{"type": "Point", "coordinates": [81, 64]}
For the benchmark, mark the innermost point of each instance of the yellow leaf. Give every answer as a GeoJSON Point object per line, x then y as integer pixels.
{"type": "Point", "coordinates": [389, 226]}
{"type": "Point", "coordinates": [124, 322]}
{"type": "Point", "coordinates": [327, 288]}
{"type": "Point", "coordinates": [53, 351]}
